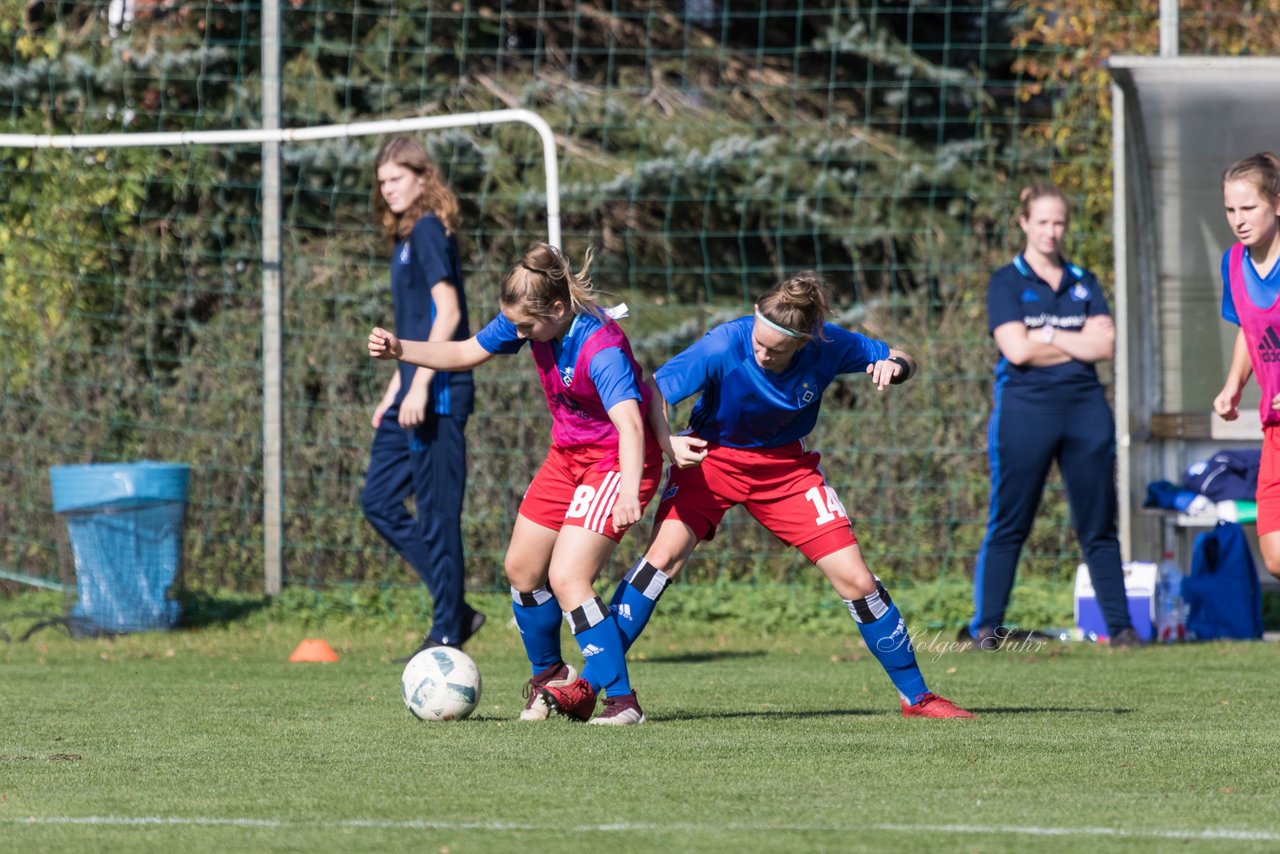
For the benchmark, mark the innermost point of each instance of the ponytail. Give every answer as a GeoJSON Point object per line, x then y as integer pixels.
{"type": "Point", "coordinates": [543, 276]}
{"type": "Point", "coordinates": [797, 304]}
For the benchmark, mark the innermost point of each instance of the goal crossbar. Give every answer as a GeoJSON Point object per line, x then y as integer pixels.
{"type": "Point", "coordinates": [273, 441]}
{"type": "Point", "coordinates": [314, 134]}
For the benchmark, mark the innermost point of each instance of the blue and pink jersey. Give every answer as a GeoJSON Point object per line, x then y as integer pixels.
{"type": "Point", "coordinates": [584, 375]}
{"type": "Point", "coordinates": [745, 406]}
{"type": "Point", "coordinates": [1253, 303]}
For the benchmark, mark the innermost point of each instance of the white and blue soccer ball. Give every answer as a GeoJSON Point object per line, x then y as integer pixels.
{"type": "Point", "coordinates": [441, 684]}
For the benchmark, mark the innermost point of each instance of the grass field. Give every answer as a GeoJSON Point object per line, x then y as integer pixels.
{"type": "Point", "coordinates": [207, 740]}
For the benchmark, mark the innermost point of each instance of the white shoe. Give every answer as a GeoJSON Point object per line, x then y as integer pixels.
{"type": "Point", "coordinates": [620, 711]}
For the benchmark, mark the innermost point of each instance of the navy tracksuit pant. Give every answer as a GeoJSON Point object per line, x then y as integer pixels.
{"type": "Point", "coordinates": [429, 463]}
{"type": "Point", "coordinates": [1023, 440]}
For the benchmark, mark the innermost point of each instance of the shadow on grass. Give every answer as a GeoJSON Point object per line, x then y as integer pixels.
{"type": "Point", "coordinates": [1040, 710]}
{"type": "Point", "coordinates": [200, 610]}
{"type": "Point", "coordinates": [785, 714]}
{"type": "Point", "coordinates": [771, 714]}
{"type": "Point", "coordinates": [699, 657]}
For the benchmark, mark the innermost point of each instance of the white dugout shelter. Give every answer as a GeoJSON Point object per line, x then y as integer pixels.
{"type": "Point", "coordinates": [1178, 122]}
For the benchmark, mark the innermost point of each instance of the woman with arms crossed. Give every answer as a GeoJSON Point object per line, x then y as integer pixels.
{"type": "Point", "coordinates": [1051, 324]}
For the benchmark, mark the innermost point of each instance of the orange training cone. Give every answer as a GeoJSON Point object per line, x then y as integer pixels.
{"type": "Point", "coordinates": [314, 649]}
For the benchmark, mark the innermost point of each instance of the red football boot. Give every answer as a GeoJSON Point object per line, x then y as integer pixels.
{"type": "Point", "coordinates": [932, 706]}
{"type": "Point", "coordinates": [577, 700]}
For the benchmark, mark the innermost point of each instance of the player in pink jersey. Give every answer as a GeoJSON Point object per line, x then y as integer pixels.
{"type": "Point", "coordinates": [602, 469]}
{"type": "Point", "coordinates": [1251, 300]}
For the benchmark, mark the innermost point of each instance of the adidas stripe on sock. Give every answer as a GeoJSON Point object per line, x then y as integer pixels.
{"type": "Point", "coordinates": [871, 607]}
{"type": "Point", "coordinates": [635, 598]}
{"type": "Point", "coordinates": [603, 652]}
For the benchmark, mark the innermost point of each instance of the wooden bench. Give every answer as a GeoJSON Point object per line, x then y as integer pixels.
{"type": "Point", "coordinates": [1206, 426]}
{"type": "Point", "coordinates": [1210, 433]}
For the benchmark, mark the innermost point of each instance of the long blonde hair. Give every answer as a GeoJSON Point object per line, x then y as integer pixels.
{"type": "Point", "coordinates": [542, 276]}
{"type": "Point", "coordinates": [435, 196]}
{"type": "Point", "coordinates": [797, 303]}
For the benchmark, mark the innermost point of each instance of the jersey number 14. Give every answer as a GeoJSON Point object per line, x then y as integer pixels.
{"type": "Point", "coordinates": [828, 503]}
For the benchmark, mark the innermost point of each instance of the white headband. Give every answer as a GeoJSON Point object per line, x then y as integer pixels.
{"type": "Point", "coordinates": [775, 327]}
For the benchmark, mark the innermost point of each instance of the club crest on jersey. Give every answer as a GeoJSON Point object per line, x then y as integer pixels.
{"type": "Point", "coordinates": [806, 394]}
{"type": "Point", "coordinates": [670, 493]}
{"type": "Point", "coordinates": [566, 376]}
{"type": "Point", "coordinates": [1079, 293]}
{"type": "Point", "coordinates": [404, 253]}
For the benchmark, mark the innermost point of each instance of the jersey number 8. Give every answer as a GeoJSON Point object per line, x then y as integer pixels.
{"type": "Point", "coordinates": [581, 504]}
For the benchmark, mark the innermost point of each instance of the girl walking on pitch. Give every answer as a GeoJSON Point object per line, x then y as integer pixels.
{"type": "Point", "coordinates": [602, 469]}
{"type": "Point", "coordinates": [418, 446]}
{"type": "Point", "coordinates": [1251, 300]}
{"type": "Point", "coordinates": [761, 380]}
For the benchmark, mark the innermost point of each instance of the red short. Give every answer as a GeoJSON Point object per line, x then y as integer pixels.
{"type": "Point", "coordinates": [783, 488]}
{"type": "Point", "coordinates": [1269, 481]}
{"type": "Point", "coordinates": [577, 488]}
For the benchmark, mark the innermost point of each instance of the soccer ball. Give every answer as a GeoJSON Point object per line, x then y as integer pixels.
{"type": "Point", "coordinates": [441, 684]}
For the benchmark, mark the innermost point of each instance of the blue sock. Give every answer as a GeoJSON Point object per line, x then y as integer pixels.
{"type": "Point", "coordinates": [605, 661]}
{"type": "Point", "coordinates": [538, 619]}
{"type": "Point", "coordinates": [635, 598]}
{"type": "Point", "coordinates": [886, 636]}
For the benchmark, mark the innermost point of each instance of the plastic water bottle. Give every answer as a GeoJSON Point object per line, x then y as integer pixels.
{"type": "Point", "coordinates": [1171, 608]}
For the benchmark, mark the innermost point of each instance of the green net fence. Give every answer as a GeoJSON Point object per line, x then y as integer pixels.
{"type": "Point", "coordinates": [707, 148]}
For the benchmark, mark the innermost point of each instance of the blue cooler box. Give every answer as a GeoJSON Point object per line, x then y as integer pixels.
{"type": "Point", "coordinates": [1139, 587]}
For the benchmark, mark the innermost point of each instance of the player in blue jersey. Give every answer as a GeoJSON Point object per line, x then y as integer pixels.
{"type": "Point", "coordinates": [602, 469]}
{"type": "Point", "coordinates": [1051, 324]}
{"type": "Point", "coordinates": [418, 446]}
{"type": "Point", "coordinates": [761, 380]}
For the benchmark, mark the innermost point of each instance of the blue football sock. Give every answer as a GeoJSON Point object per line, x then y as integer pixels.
{"type": "Point", "coordinates": [538, 619]}
{"type": "Point", "coordinates": [604, 658]}
{"type": "Point", "coordinates": [886, 636]}
{"type": "Point", "coordinates": [635, 598]}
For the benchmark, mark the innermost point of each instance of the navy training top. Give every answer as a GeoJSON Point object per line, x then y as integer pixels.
{"type": "Point", "coordinates": [425, 258]}
{"type": "Point", "coordinates": [745, 406]}
{"type": "Point", "coordinates": [1016, 293]}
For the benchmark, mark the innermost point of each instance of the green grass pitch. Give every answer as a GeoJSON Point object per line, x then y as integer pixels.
{"type": "Point", "coordinates": [208, 740]}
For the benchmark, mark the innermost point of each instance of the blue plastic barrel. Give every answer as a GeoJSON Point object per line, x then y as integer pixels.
{"type": "Point", "coordinates": [125, 522]}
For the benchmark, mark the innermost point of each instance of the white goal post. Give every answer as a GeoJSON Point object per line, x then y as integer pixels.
{"type": "Point", "coordinates": [272, 304]}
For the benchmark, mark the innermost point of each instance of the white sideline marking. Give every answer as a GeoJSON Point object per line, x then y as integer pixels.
{"type": "Point", "coordinates": [626, 827]}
